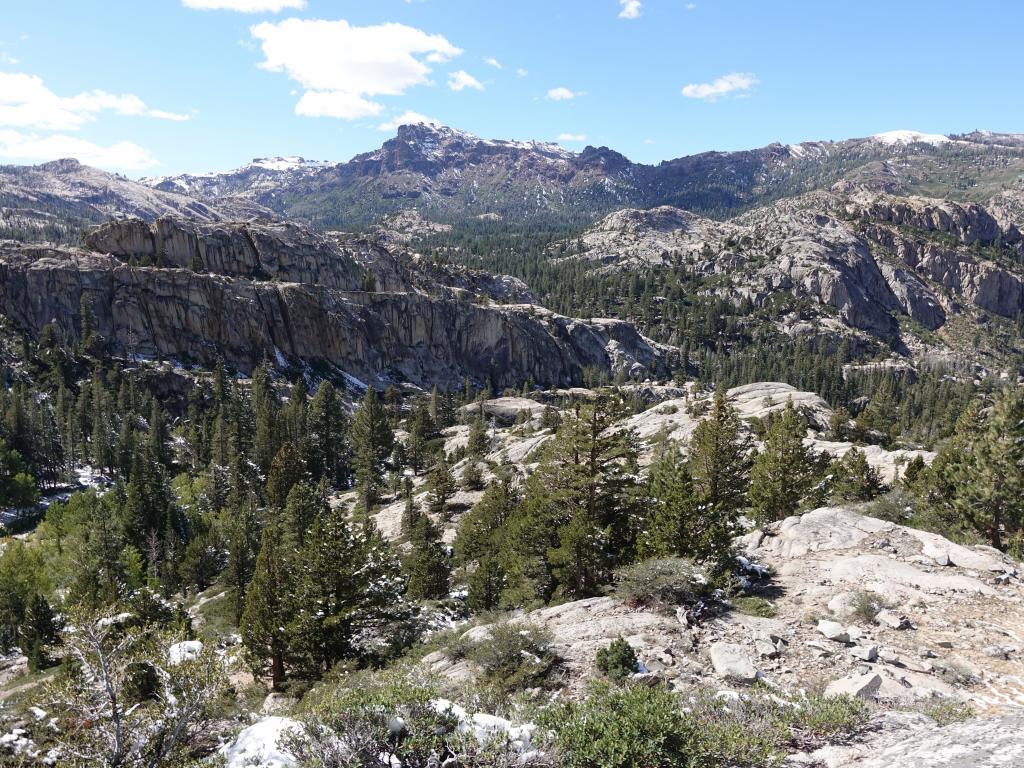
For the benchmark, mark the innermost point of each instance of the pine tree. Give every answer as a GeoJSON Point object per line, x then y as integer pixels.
{"type": "Point", "coordinates": [989, 478]}
{"type": "Point", "coordinates": [672, 524]}
{"type": "Point", "coordinates": [477, 445]}
{"type": "Point", "coordinates": [39, 629]}
{"type": "Point", "coordinates": [327, 438]}
{"type": "Point", "coordinates": [372, 440]}
{"type": "Point", "coordinates": [268, 609]}
{"type": "Point", "coordinates": [349, 602]}
{"type": "Point", "coordinates": [486, 583]}
{"type": "Point", "coordinates": [266, 439]}
{"type": "Point", "coordinates": [304, 504]}
{"type": "Point", "coordinates": [480, 529]}
{"type": "Point", "coordinates": [286, 470]}
{"type": "Point", "coordinates": [855, 479]}
{"type": "Point", "coordinates": [782, 473]}
{"type": "Point", "coordinates": [442, 486]}
{"type": "Point", "coordinates": [427, 565]}
{"type": "Point", "coordinates": [720, 463]}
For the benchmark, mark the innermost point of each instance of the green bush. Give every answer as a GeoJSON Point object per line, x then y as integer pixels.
{"type": "Point", "coordinates": [631, 727]}
{"type": "Point", "coordinates": [663, 583]}
{"type": "Point", "coordinates": [618, 660]}
{"type": "Point", "coordinates": [515, 656]}
{"type": "Point", "coordinates": [391, 718]}
{"type": "Point", "coordinates": [752, 605]}
{"type": "Point", "coordinates": [637, 727]}
{"type": "Point", "coordinates": [867, 604]}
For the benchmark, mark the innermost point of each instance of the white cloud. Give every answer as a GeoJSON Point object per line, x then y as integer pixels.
{"type": "Point", "coordinates": [123, 155]}
{"type": "Point", "coordinates": [561, 94]}
{"type": "Point", "coordinates": [461, 79]}
{"type": "Point", "coordinates": [575, 137]}
{"type": "Point", "coordinates": [648, 141]}
{"type": "Point", "coordinates": [722, 86]}
{"type": "Point", "coordinates": [243, 6]}
{"type": "Point", "coordinates": [691, 6]}
{"type": "Point", "coordinates": [407, 118]}
{"type": "Point", "coordinates": [25, 102]}
{"type": "Point", "coordinates": [631, 9]}
{"type": "Point", "coordinates": [341, 66]}
{"type": "Point", "coordinates": [493, 62]}
{"type": "Point", "coordinates": [522, 72]}
{"type": "Point", "coordinates": [7, 59]}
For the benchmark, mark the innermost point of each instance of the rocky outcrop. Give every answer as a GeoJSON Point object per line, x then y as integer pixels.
{"type": "Point", "coordinates": [969, 223]}
{"type": "Point", "coordinates": [863, 261]}
{"type": "Point", "coordinates": [309, 312]}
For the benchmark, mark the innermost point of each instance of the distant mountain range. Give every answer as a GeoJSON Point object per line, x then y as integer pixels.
{"type": "Point", "coordinates": [451, 176]}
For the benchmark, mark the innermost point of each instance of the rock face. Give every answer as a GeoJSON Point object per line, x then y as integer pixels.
{"type": "Point", "coordinates": [864, 260]}
{"type": "Point", "coordinates": [983, 743]}
{"type": "Point", "coordinates": [65, 194]}
{"type": "Point", "coordinates": [251, 292]}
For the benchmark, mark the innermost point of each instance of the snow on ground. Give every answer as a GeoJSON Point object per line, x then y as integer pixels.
{"type": "Point", "coordinates": [184, 651]}
{"type": "Point", "coordinates": [911, 137]}
{"type": "Point", "coordinates": [258, 745]}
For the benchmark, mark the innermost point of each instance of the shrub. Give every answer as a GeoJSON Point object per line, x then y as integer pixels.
{"type": "Point", "coordinates": [663, 583]}
{"type": "Point", "coordinates": [752, 605]}
{"type": "Point", "coordinates": [637, 727]}
{"type": "Point", "coordinates": [515, 656]}
{"type": "Point", "coordinates": [631, 727]}
{"type": "Point", "coordinates": [867, 604]}
{"type": "Point", "coordinates": [618, 660]}
{"type": "Point", "coordinates": [392, 718]}
{"type": "Point", "coordinates": [947, 711]}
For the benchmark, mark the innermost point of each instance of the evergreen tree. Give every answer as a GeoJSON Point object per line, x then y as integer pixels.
{"type": "Point", "coordinates": [855, 479]}
{"type": "Point", "coordinates": [268, 609]}
{"type": "Point", "coordinates": [989, 477]}
{"type": "Point", "coordinates": [286, 470]}
{"type": "Point", "coordinates": [348, 599]}
{"type": "Point", "coordinates": [372, 440]}
{"type": "Point", "coordinates": [39, 630]}
{"type": "Point", "coordinates": [426, 566]}
{"type": "Point", "coordinates": [486, 583]}
{"type": "Point", "coordinates": [327, 449]}
{"type": "Point", "coordinates": [782, 473]}
{"type": "Point", "coordinates": [672, 526]}
{"type": "Point", "coordinates": [720, 463]}
{"type": "Point", "coordinates": [442, 486]}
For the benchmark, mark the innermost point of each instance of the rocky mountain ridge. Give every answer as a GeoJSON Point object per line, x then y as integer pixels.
{"type": "Point", "coordinates": [191, 292]}
{"type": "Point", "coordinates": [864, 259]}
{"type": "Point", "coordinates": [452, 174]}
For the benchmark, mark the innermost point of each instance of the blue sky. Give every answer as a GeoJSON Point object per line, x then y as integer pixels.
{"type": "Point", "coordinates": [177, 89]}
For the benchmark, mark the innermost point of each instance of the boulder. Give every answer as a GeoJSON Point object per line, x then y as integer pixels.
{"type": "Point", "coordinates": [857, 686]}
{"type": "Point", "coordinates": [731, 662]}
{"type": "Point", "coordinates": [834, 631]}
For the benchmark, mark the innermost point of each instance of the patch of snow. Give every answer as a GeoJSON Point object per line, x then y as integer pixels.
{"type": "Point", "coordinates": [911, 137]}
{"type": "Point", "coordinates": [258, 745]}
{"type": "Point", "coordinates": [187, 650]}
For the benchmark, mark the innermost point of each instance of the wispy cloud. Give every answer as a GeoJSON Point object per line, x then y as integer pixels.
{"type": "Point", "coordinates": [461, 79]}
{"type": "Point", "coordinates": [493, 62]}
{"type": "Point", "coordinates": [244, 6]}
{"type": "Point", "coordinates": [342, 67]}
{"type": "Point", "coordinates": [26, 102]}
{"type": "Point", "coordinates": [722, 86]}
{"type": "Point", "coordinates": [631, 9]}
{"type": "Point", "coordinates": [407, 118]}
{"type": "Point", "coordinates": [572, 137]}
{"type": "Point", "coordinates": [522, 72]}
{"type": "Point", "coordinates": [562, 93]}
{"type": "Point", "coordinates": [124, 155]}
